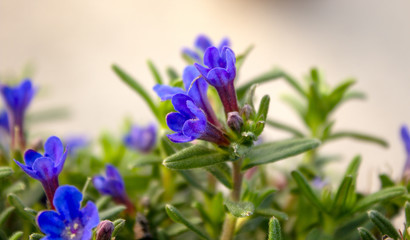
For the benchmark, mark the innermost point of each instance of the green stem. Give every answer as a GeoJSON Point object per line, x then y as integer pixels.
{"type": "Point", "coordinates": [230, 221]}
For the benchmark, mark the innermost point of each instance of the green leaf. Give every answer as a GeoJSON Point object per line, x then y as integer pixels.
{"type": "Point", "coordinates": [102, 201]}
{"type": "Point", "coordinates": [195, 156]}
{"type": "Point", "coordinates": [353, 95]}
{"type": "Point", "coordinates": [285, 127]}
{"type": "Point", "coordinates": [111, 212]}
{"type": "Point", "coordinates": [5, 213]}
{"type": "Point", "coordinates": [5, 171]}
{"type": "Point", "coordinates": [343, 192]}
{"type": "Point", "coordinates": [240, 209]}
{"type": "Point", "coordinates": [306, 190]}
{"type": "Point", "coordinates": [274, 229]}
{"type": "Point", "coordinates": [293, 83]}
{"type": "Point", "coordinates": [407, 212]}
{"type": "Point", "coordinates": [263, 108]}
{"type": "Point", "coordinates": [353, 166]}
{"type": "Point", "coordinates": [154, 72]}
{"type": "Point", "coordinates": [16, 235]}
{"type": "Point", "coordinates": [191, 179]}
{"type": "Point", "coordinates": [266, 77]}
{"type": "Point", "coordinates": [176, 216]}
{"type": "Point", "coordinates": [275, 151]}
{"type": "Point", "coordinates": [222, 172]}
{"type": "Point", "coordinates": [386, 181]}
{"type": "Point", "coordinates": [383, 224]}
{"type": "Point", "coordinates": [365, 234]}
{"type": "Point", "coordinates": [336, 96]}
{"type": "Point", "coordinates": [172, 74]}
{"type": "Point", "coordinates": [269, 212]}
{"type": "Point", "coordinates": [358, 136]}
{"type": "Point", "coordinates": [18, 204]}
{"type": "Point", "coordinates": [384, 194]}
{"type": "Point", "coordinates": [118, 225]}
{"type": "Point", "coordinates": [137, 88]}
{"type": "Point", "coordinates": [249, 96]}
{"type": "Point", "coordinates": [36, 236]}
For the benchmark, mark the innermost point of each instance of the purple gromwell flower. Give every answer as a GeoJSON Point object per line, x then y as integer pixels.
{"type": "Point", "coordinates": [203, 42]}
{"type": "Point", "coordinates": [112, 184]}
{"type": "Point", "coordinates": [190, 123]}
{"type": "Point", "coordinates": [69, 222]}
{"type": "Point", "coordinates": [142, 139]}
{"type": "Point", "coordinates": [46, 168]}
{"type": "Point", "coordinates": [405, 135]}
{"type": "Point", "coordinates": [17, 99]}
{"type": "Point", "coordinates": [220, 73]}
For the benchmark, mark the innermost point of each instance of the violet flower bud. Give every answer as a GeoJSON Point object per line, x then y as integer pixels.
{"type": "Point", "coordinates": [104, 230]}
{"type": "Point", "coordinates": [235, 122]}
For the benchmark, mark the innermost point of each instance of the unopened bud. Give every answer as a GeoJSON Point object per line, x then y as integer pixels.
{"type": "Point", "coordinates": [235, 121]}
{"type": "Point", "coordinates": [247, 111]}
{"type": "Point", "coordinates": [104, 230]}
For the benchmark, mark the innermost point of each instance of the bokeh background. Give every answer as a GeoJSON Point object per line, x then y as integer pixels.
{"type": "Point", "coordinates": [69, 47]}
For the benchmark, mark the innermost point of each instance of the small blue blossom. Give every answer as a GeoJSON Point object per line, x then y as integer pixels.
{"type": "Point", "coordinates": [220, 72]}
{"type": "Point", "coordinates": [70, 221]}
{"type": "Point", "coordinates": [202, 42]}
{"type": "Point", "coordinates": [196, 88]}
{"type": "Point", "coordinates": [405, 135]}
{"type": "Point", "coordinates": [142, 139]}
{"type": "Point", "coordinates": [75, 143]}
{"type": "Point", "coordinates": [319, 183]}
{"type": "Point", "coordinates": [46, 168]}
{"type": "Point", "coordinates": [4, 122]}
{"type": "Point", "coordinates": [17, 99]}
{"type": "Point", "coordinates": [112, 184]}
{"type": "Point", "coordinates": [190, 123]}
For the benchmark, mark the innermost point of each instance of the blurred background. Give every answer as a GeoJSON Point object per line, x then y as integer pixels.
{"type": "Point", "coordinates": [68, 47]}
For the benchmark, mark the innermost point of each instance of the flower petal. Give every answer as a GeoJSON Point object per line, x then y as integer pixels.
{"type": "Point", "coordinates": [175, 121]}
{"type": "Point", "coordinates": [53, 148]}
{"type": "Point", "coordinates": [191, 54]}
{"type": "Point", "coordinates": [30, 156]}
{"type": "Point", "coordinates": [202, 70]}
{"type": "Point", "coordinates": [224, 43]}
{"type": "Point", "coordinates": [179, 138]}
{"type": "Point", "coordinates": [405, 135]}
{"type": "Point", "coordinates": [50, 223]}
{"type": "Point", "coordinates": [230, 62]}
{"type": "Point", "coordinates": [27, 170]}
{"type": "Point", "coordinates": [4, 121]}
{"type": "Point", "coordinates": [218, 77]}
{"type": "Point", "coordinates": [89, 216]}
{"type": "Point", "coordinates": [100, 183]}
{"type": "Point", "coordinates": [203, 42]}
{"type": "Point", "coordinates": [194, 128]}
{"type": "Point", "coordinates": [166, 92]}
{"type": "Point", "coordinates": [59, 164]}
{"type": "Point", "coordinates": [27, 92]}
{"type": "Point", "coordinates": [67, 201]}
{"type": "Point", "coordinates": [113, 173]}
{"type": "Point", "coordinates": [212, 58]}
{"type": "Point", "coordinates": [179, 102]}
{"type": "Point", "coordinates": [44, 168]}
{"type": "Point", "coordinates": [190, 73]}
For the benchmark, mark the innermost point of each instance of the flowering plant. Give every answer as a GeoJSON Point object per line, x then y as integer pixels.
{"type": "Point", "coordinates": [202, 170]}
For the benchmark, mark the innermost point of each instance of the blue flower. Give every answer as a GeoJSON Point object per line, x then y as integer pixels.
{"type": "Point", "coordinates": [75, 143]}
{"type": "Point", "coordinates": [202, 42]}
{"type": "Point", "coordinates": [113, 185]}
{"type": "Point", "coordinates": [142, 139]}
{"type": "Point", "coordinates": [220, 73]}
{"type": "Point", "coordinates": [405, 135]}
{"type": "Point", "coordinates": [17, 99]}
{"type": "Point", "coordinates": [69, 222]}
{"type": "Point", "coordinates": [190, 123]}
{"type": "Point", "coordinates": [196, 88]}
{"type": "Point", "coordinates": [46, 168]}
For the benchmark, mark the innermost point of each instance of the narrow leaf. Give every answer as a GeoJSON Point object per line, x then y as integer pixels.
{"type": "Point", "coordinates": [154, 72]}
{"type": "Point", "coordinates": [18, 204]}
{"type": "Point", "coordinates": [342, 194]}
{"type": "Point", "coordinates": [263, 108]}
{"type": "Point", "coordinates": [222, 172]}
{"type": "Point", "coordinates": [306, 190]}
{"type": "Point", "coordinates": [379, 196]}
{"type": "Point", "coordinates": [111, 212]}
{"type": "Point", "coordinates": [274, 229]}
{"type": "Point", "coordinates": [266, 77]}
{"type": "Point", "coordinates": [36, 236]}
{"type": "Point", "coordinates": [285, 127]}
{"type": "Point", "coordinates": [353, 166]}
{"type": "Point", "coordinates": [5, 171]}
{"type": "Point", "coordinates": [195, 156]}
{"type": "Point", "coordinates": [365, 234]}
{"type": "Point", "coordinates": [118, 225]}
{"type": "Point", "coordinates": [5, 213]}
{"type": "Point", "coordinates": [407, 212]}
{"type": "Point", "coordinates": [383, 224]}
{"type": "Point", "coordinates": [275, 151]}
{"type": "Point", "coordinates": [240, 209]}
{"type": "Point", "coordinates": [176, 216]}
{"type": "Point", "coordinates": [137, 88]}
{"type": "Point", "coordinates": [191, 179]}
{"type": "Point", "coordinates": [358, 136]}
{"type": "Point", "coordinates": [172, 74]}
{"type": "Point", "coordinates": [16, 235]}
{"type": "Point", "coordinates": [269, 212]}
{"type": "Point", "coordinates": [293, 83]}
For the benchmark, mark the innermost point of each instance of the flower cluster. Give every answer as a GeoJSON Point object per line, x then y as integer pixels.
{"type": "Point", "coordinates": [46, 168]}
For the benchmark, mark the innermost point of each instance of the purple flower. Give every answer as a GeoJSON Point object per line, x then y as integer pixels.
{"type": "Point", "coordinates": [406, 140]}
{"type": "Point", "coordinates": [190, 123]}
{"type": "Point", "coordinates": [202, 42]}
{"type": "Point", "coordinates": [142, 139]}
{"type": "Point", "coordinates": [4, 122]}
{"type": "Point", "coordinates": [75, 143]}
{"type": "Point", "coordinates": [196, 88]}
{"type": "Point", "coordinates": [112, 184]}
{"type": "Point", "coordinates": [46, 168]}
{"type": "Point", "coordinates": [220, 73]}
{"type": "Point", "coordinates": [319, 183]}
{"type": "Point", "coordinates": [17, 99]}
{"type": "Point", "coordinates": [69, 222]}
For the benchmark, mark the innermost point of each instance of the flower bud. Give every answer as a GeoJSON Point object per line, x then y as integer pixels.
{"type": "Point", "coordinates": [235, 121]}
{"type": "Point", "coordinates": [104, 230]}
{"type": "Point", "coordinates": [246, 111]}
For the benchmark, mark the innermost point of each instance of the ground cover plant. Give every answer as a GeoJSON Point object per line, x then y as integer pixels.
{"type": "Point", "coordinates": [201, 169]}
